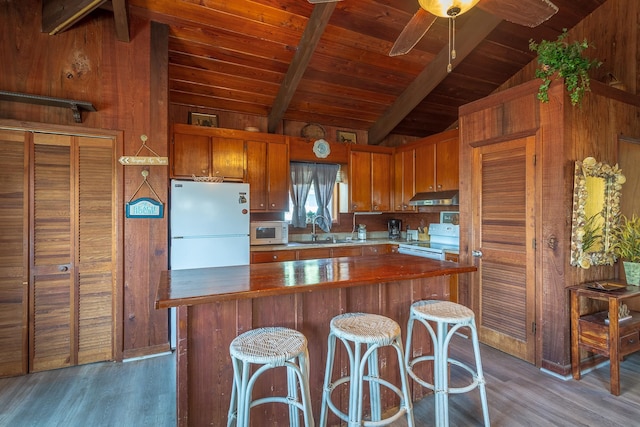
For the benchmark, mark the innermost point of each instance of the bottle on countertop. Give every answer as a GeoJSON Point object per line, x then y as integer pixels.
{"type": "Point", "coordinates": [408, 234]}
{"type": "Point", "coordinates": [362, 232]}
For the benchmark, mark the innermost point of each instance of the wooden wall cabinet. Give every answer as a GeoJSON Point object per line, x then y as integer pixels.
{"type": "Point", "coordinates": [437, 162]}
{"type": "Point", "coordinates": [370, 178]}
{"type": "Point", "coordinates": [404, 179]}
{"type": "Point", "coordinates": [202, 151]}
{"type": "Point", "coordinates": [260, 159]}
{"type": "Point", "coordinates": [268, 175]}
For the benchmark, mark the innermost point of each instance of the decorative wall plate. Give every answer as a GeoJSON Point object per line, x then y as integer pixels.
{"type": "Point", "coordinates": [313, 131]}
{"type": "Point", "coordinates": [321, 148]}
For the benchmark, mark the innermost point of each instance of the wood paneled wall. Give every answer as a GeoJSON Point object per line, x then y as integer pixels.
{"type": "Point", "coordinates": [87, 63]}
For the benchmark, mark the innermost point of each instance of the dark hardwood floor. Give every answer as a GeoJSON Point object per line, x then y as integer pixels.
{"type": "Point", "coordinates": [142, 393]}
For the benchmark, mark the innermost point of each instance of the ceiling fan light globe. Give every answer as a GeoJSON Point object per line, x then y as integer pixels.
{"type": "Point", "coordinates": [447, 8]}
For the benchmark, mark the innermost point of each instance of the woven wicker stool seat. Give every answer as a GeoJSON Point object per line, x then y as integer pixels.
{"type": "Point", "coordinates": [372, 331]}
{"type": "Point", "coordinates": [270, 347]}
{"type": "Point", "coordinates": [448, 318]}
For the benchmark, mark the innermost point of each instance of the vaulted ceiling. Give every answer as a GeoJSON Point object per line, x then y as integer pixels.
{"type": "Point", "coordinates": [329, 63]}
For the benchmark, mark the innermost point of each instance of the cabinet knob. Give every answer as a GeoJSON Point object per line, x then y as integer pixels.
{"type": "Point", "coordinates": [275, 257]}
{"type": "Point", "coordinates": [439, 186]}
{"type": "Point", "coordinates": [477, 254]}
{"type": "Point", "coordinates": [273, 205]}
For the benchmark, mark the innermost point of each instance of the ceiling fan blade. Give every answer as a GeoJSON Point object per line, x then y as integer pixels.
{"type": "Point", "coordinates": [322, 1]}
{"type": "Point", "coordinates": [529, 13]}
{"type": "Point", "coordinates": [415, 29]}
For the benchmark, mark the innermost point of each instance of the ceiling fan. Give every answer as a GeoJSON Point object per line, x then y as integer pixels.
{"type": "Point", "coordinates": [530, 13]}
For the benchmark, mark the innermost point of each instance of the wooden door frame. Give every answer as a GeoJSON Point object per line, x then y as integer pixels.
{"type": "Point", "coordinates": [118, 203]}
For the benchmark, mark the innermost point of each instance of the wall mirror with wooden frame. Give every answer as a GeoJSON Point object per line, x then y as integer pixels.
{"type": "Point", "coordinates": [596, 212]}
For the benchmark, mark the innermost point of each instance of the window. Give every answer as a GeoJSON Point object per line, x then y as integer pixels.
{"type": "Point", "coordinates": [311, 207]}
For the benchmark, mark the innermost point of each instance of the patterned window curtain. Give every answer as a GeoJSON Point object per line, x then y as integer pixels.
{"type": "Point", "coordinates": [324, 180]}
{"type": "Point", "coordinates": [301, 178]}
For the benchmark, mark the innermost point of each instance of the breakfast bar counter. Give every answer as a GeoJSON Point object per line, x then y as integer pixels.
{"type": "Point", "coordinates": [214, 305]}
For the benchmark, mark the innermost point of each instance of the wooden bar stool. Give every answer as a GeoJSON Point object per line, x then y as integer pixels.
{"type": "Point", "coordinates": [270, 347]}
{"type": "Point", "coordinates": [373, 331]}
{"type": "Point", "coordinates": [448, 317]}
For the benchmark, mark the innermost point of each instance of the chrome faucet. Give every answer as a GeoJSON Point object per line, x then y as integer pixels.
{"type": "Point", "coordinates": [314, 236]}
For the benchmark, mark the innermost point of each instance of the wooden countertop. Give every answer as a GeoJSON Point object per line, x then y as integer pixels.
{"type": "Point", "coordinates": [206, 285]}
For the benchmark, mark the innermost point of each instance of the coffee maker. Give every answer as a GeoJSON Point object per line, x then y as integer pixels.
{"type": "Point", "coordinates": [395, 227]}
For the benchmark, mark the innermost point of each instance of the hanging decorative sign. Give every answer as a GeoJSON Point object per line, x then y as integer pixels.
{"type": "Point", "coordinates": [144, 208]}
{"type": "Point", "coordinates": [136, 160]}
{"type": "Point", "coordinates": [143, 161]}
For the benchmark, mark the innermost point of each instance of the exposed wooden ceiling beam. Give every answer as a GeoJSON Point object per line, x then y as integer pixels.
{"type": "Point", "coordinates": [121, 17]}
{"type": "Point", "coordinates": [58, 15]}
{"type": "Point", "coordinates": [434, 73]}
{"type": "Point", "coordinates": [312, 33]}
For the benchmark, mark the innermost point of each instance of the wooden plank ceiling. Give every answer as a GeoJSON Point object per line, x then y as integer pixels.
{"type": "Point", "coordinates": [254, 57]}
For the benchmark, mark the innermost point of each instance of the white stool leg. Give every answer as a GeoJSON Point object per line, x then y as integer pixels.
{"type": "Point", "coordinates": [480, 374]}
{"type": "Point", "coordinates": [374, 386]}
{"type": "Point", "coordinates": [404, 380]}
{"type": "Point", "coordinates": [326, 391]}
{"type": "Point", "coordinates": [303, 362]}
{"type": "Point", "coordinates": [355, 384]}
{"type": "Point", "coordinates": [441, 374]}
{"type": "Point", "coordinates": [292, 395]}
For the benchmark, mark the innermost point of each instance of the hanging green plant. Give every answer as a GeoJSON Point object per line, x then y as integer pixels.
{"type": "Point", "coordinates": [567, 60]}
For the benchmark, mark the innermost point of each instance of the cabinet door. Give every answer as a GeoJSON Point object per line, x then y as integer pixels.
{"type": "Point", "coordinates": [14, 256]}
{"type": "Point", "coordinates": [425, 168]}
{"type": "Point", "coordinates": [314, 253]}
{"type": "Point", "coordinates": [403, 180]}
{"type": "Point", "coordinates": [360, 181]}
{"type": "Point", "coordinates": [52, 268]}
{"type": "Point", "coordinates": [447, 165]}
{"type": "Point", "coordinates": [278, 176]}
{"type": "Point", "coordinates": [190, 156]}
{"type": "Point", "coordinates": [73, 265]}
{"type": "Point", "coordinates": [257, 174]}
{"type": "Point", "coordinates": [272, 256]}
{"type": "Point", "coordinates": [381, 181]}
{"type": "Point", "coordinates": [227, 158]}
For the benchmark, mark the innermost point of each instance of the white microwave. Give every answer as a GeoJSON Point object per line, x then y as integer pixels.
{"type": "Point", "coordinates": [269, 232]}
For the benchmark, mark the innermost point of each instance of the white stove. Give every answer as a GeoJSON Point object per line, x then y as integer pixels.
{"type": "Point", "coordinates": [443, 237]}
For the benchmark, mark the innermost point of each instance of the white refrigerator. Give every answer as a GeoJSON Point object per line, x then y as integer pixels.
{"type": "Point", "coordinates": [209, 227]}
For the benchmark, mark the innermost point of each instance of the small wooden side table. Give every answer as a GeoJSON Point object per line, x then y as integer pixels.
{"type": "Point", "coordinates": [591, 331]}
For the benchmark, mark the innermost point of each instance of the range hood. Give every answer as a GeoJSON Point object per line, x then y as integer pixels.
{"type": "Point", "coordinates": [436, 198]}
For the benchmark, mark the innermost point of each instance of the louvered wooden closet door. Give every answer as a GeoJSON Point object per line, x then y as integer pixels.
{"type": "Point", "coordinates": [504, 230]}
{"type": "Point", "coordinates": [72, 259]}
{"type": "Point", "coordinates": [13, 253]}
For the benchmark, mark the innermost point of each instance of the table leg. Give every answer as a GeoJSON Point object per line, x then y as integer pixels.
{"type": "Point", "coordinates": [575, 348]}
{"type": "Point", "coordinates": [614, 344]}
